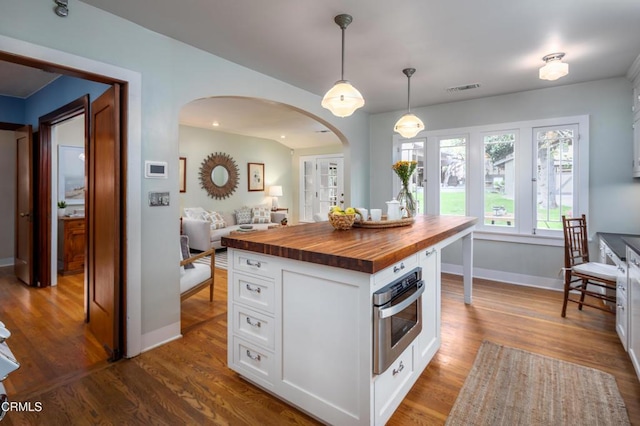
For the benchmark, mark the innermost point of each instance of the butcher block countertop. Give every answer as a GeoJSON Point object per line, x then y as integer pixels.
{"type": "Point", "coordinates": [358, 249]}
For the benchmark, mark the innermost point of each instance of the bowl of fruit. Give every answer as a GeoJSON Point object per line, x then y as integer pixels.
{"type": "Point", "coordinates": [342, 219]}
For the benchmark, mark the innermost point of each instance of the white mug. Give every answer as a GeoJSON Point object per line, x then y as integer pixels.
{"type": "Point", "coordinates": [364, 212]}
{"type": "Point", "coordinates": [376, 215]}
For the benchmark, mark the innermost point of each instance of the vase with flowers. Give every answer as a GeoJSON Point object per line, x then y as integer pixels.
{"type": "Point", "coordinates": [404, 170]}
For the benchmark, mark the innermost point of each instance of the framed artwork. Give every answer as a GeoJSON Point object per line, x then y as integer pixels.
{"type": "Point", "coordinates": [255, 176]}
{"type": "Point", "coordinates": [71, 174]}
{"type": "Point", "coordinates": [182, 174]}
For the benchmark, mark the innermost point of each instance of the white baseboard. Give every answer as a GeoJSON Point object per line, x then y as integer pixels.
{"type": "Point", "coordinates": [7, 261]}
{"type": "Point", "coordinates": [160, 336]}
{"type": "Point", "coordinates": [508, 277]}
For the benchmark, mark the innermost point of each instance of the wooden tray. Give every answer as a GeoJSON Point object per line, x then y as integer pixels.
{"type": "Point", "coordinates": [384, 223]}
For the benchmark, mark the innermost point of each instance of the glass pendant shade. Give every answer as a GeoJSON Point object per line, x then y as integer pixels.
{"type": "Point", "coordinates": [554, 67]}
{"type": "Point", "coordinates": [409, 125]}
{"type": "Point", "coordinates": [342, 99]}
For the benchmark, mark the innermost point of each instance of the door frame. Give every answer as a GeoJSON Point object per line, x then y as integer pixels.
{"type": "Point", "coordinates": [37, 56]}
{"type": "Point", "coordinates": [45, 124]}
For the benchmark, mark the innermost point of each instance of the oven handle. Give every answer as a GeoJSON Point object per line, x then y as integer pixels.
{"type": "Point", "coordinates": [390, 311]}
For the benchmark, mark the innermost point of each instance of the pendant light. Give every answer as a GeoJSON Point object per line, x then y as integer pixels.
{"type": "Point", "coordinates": [342, 99]}
{"type": "Point", "coordinates": [554, 68]}
{"type": "Point", "coordinates": [409, 125]}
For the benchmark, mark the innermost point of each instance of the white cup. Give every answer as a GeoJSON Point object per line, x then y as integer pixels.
{"type": "Point", "coordinates": [364, 212]}
{"type": "Point", "coordinates": [376, 215]}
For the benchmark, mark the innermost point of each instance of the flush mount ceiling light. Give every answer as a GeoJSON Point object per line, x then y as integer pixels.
{"type": "Point", "coordinates": [342, 99]}
{"type": "Point", "coordinates": [409, 125]}
{"type": "Point", "coordinates": [554, 67]}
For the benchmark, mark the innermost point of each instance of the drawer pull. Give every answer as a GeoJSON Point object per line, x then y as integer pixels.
{"type": "Point", "coordinates": [254, 324]}
{"type": "Point", "coordinates": [255, 357]}
{"type": "Point", "coordinates": [400, 368]}
{"type": "Point", "coordinates": [255, 263]}
{"type": "Point", "coordinates": [254, 290]}
{"type": "Point", "coordinates": [397, 269]}
{"type": "Point", "coordinates": [620, 306]}
{"type": "Point", "coordinates": [429, 252]}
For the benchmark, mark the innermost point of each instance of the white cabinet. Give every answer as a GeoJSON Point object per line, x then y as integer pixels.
{"type": "Point", "coordinates": [634, 76]}
{"type": "Point", "coordinates": [390, 386]}
{"type": "Point", "coordinates": [633, 287]}
{"type": "Point", "coordinates": [622, 309]}
{"type": "Point", "coordinates": [304, 332]}
{"type": "Point", "coordinates": [251, 316]}
{"type": "Point", "coordinates": [430, 339]}
{"type": "Point", "coordinates": [636, 146]}
{"type": "Point", "coordinates": [622, 305]}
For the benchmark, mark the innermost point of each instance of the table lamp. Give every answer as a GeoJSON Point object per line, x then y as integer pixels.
{"type": "Point", "coordinates": [275, 191]}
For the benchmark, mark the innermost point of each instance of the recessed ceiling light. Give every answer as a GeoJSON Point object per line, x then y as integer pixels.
{"type": "Point", "coordinates": [215, 124]}
{"type": "Point", "coordinates": [282, 137]}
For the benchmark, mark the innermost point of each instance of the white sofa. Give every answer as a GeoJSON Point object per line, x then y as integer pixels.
{"type": "Point", "coordinates": [203, 236]}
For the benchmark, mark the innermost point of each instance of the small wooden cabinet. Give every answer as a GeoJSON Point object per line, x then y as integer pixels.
{"type": "Point", "coordinates": [71, 245]}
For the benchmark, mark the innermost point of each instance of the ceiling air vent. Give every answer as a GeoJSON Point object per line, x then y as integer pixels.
{"type": "Point", "coordinates": [461, 88]}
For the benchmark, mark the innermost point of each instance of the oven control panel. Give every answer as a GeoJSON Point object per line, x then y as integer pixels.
{"type": "Point", "coordinates": [396, 288]}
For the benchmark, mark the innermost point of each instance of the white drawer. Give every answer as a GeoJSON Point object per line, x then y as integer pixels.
{"type": "Point", "coordinates": [253, 263]}
{"type": "Point", "coordinates": [253, 326]}
{"type": "Point", "coordinates": [254, 292]}
{"type": "Point", "coordinates": [394, 271]}
{"type": "Point", "coordinates": [256, 363]}
{"type": "Point", "coordinates": [389, 387]}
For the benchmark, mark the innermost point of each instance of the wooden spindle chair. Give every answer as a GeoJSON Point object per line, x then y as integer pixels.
{"type": "Point", "coordinates": [579, 272]}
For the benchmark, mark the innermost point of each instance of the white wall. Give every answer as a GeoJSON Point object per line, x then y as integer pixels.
{"type": "Point", "coordinates": [614, 194]}
{"type": "Point", "coordinates": [197, 144]}
{"type": "Point", "coordinates": [172, 74]}
{"type": "Point", "coordinates": [7, 195]}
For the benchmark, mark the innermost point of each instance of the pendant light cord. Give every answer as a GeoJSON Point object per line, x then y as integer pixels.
{"type": "Point", "coordinates": [408, 94]}
{"type": "Point", "coordinates": [342, 70]}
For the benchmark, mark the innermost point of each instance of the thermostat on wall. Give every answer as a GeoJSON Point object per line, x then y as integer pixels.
{"type": "Point", "coordinates": [155, 169]}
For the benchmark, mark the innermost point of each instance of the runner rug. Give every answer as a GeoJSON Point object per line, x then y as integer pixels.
{"type": "Point", "coordinates": [508, 386]}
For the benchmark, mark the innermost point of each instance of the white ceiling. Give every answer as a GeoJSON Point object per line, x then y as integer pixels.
{"type": "Point", "coordinates": [497, 43]}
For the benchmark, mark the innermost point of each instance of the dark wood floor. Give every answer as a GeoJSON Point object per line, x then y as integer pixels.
{"type": "Point", "coordinates": [187, 382]}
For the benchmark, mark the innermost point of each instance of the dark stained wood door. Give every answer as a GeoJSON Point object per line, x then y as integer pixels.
{"type": "Point", "coordinates": [23, 254]}
{"type": "Point", "coordinates": [103, 212]}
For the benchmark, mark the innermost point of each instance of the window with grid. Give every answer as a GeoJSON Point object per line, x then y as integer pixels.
{"type": "Point", "coordinates": [499, 179]}
{"type": "Point", "coordinates": [554, 182]}
{"type": "Point", "coordinates": [453, 175]}
{"type": "Point", "coordinates": [518, 178]}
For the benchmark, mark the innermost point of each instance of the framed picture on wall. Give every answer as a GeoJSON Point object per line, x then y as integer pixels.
{"type": "Point", "coordinates": [255, 176]}
{"type": "Point", "coordinates": [71, 174]}
{"type": "Point", "coordinates": [182, 174]}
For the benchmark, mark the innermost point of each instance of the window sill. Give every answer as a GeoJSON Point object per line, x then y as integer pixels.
{"type": "Point", "coordinates": [519, 238]}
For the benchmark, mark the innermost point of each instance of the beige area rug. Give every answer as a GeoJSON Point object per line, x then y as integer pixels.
{"type": "Point", "coordinates": [508, 386]}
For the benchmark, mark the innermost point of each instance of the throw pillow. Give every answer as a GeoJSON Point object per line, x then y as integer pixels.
{"type": "Point", "coordinates": [193, 212]}
{"type": "Point", "coordinates": [243, 216]}
{"type": "Point", "coordinates": [184, 249]}
{"type": "Point", "coordinates": [261, 215]}
{"type": "Point", "coordinates": [216, 219]}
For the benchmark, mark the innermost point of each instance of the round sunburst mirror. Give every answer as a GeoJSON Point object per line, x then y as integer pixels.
{"type": "Point", "coordinates": [219, 175]}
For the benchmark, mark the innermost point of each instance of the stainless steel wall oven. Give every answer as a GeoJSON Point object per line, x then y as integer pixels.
{"type": "Point", "coordinates": [397, 318]}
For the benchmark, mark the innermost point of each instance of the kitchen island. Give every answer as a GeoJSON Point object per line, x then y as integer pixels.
{"type": "Point", "coordinates": [301, 320]}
